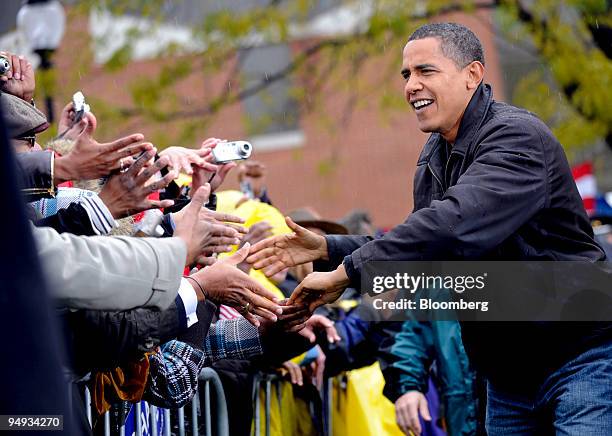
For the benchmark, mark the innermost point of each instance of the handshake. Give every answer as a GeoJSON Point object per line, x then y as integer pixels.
{"type": "Point", "coordinates": [275, 254]}
{"type": "Point", "coordinates": [206, 232]}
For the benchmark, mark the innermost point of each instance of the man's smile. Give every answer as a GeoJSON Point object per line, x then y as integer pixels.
{"type": "Point", "coordinates": [421, 103]}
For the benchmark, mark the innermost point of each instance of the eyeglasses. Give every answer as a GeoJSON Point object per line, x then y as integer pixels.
{"type": "Point", "coordinates": [30, 139]}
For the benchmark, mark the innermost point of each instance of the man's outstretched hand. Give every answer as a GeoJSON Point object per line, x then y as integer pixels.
{"type": "Point", "coordinates": [319, 323]}
{"type": "Point", "coordinates": [200, 234]}
{"type": "Point", "coordinates": [319, 288]}
{"type": "Point", "coordinates": [127, 193]}
{"type": "Point", "coordinates": [315, 290]}
{"type": "Point", "coordinates": [220, 241]}
{"type": "Point", "coordinates": [89, 160]}
{"type": "Point", "coordinates": [273, 255]}
{"type": "Point", "coordinates": [225, 284]}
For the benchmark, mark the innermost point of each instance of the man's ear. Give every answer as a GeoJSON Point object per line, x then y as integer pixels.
{"type": "Point", "coordinates": [475, 72]}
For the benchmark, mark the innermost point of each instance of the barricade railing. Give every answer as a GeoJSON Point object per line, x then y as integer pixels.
{"type": "Point", "coordinates": [267, 380]}
{"type": "Point", "coordinates": [149, 420]}
{"type": "Point", "coordinates": [154, 421]}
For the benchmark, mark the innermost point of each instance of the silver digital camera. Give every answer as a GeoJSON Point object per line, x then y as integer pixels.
{"type": "Point", "coordinates": [80, 107]}
{"type": "Point", "coordinates": [230, 151]}
{"type": "Point", "coordinates": [5, 66]}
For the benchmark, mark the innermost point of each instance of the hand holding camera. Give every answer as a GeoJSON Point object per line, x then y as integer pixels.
{"type": "Point", "coordinates": [16, 76]}
{"type": "Point", "coordinates": [222, 153]}
{"type": "Point", "coordinates": [225, 152]}
{"type": "Point", "coordinates": [5, 66]}
{"type": "Point", "coordinates": [69, 124]}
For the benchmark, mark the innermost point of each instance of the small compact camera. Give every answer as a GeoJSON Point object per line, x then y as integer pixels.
{"type": "Point", "coordinates": [5, 66]}
{"type": "Point", "coordinates": [230, 151]}
{"type": "Point", "coordinates": [80, 107]}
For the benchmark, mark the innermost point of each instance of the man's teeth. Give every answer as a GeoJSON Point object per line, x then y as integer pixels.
{"type": "Point", "coordinates": [421, 103]}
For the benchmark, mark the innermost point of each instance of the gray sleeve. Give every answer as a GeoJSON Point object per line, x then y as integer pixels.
{"type": "Point", "coordinates": [110, 273]}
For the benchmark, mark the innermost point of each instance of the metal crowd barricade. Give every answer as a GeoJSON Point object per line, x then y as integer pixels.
{"type": "Point", "coordinates": [211, 388]}
{"type": "Point", "coordinates": [208, 381]}
{"type": "Point", "coordinates": [209, 377]}
{"type": "Point", "coordinates": [268, 379]}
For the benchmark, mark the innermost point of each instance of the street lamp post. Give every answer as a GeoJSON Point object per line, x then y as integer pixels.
{"type": "Point", "coordinates": [42, 23]}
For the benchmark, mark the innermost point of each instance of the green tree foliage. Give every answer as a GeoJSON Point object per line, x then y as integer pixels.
{"type": "Point", "coordinates": [570, 38]}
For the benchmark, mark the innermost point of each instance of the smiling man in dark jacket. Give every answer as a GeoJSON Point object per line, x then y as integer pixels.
{"type": "Point", "coordinates": [492, 183]}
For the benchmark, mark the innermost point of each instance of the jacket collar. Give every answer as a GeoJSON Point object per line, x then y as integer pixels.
{"type": "Point", "coordinates": [471, 121]}
{"type": "Point", "coordinates": [473, 117]}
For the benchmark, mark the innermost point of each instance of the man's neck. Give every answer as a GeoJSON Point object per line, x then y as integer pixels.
{"type": "Point", "coordinates": [451, 134]}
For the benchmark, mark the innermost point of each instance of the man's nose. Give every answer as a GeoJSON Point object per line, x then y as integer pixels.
{"type": "Point", "coordinates": [413, 84]}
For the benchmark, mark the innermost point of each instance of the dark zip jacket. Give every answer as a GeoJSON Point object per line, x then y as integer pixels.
{"type": "Point", "coordinates": [505, 192]}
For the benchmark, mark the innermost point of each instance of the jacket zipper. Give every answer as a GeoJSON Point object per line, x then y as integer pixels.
{"type": "Point", "coordinates": [444, 186]}
{"type": "Point", "coordinates": [435, 176]}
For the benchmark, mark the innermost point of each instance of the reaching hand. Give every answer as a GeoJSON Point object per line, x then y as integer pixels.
{"type": "Point", "coordinates": [226, 284]}
{"type": "Point", "coordinates": [294, 372]}
{"type": "Point", "coordinates": [90, 160]}
{"type": "Point", "coordinates": [320, 323]}
{"type": "Point", "coordinates": [127, 193]}
{"type": "Point", "coordinates": [284, 251]}
{"type": "Point", "coordinates": [319, 288]}
{"type": "Point", "coordinates": [185, 159]}
{"type": "Point", "coordinates": [67, 128]}
{"type": "Point", "coordinates": [204, 174]}
{"type": "Point", "coordinates": [229, 220]}
{"type": "Point", "coordinates": [19, 80]}
{"type": "Point", "coordinates": [317, 368]}
{"type": "Point", "coordinates": [257, 232]}
{"type": "Point", "coordinates": [220, 243]}
{"type": "Point", "coordinates": [199, 234]}
{"type": "Point", "coordinates": [407, 410]}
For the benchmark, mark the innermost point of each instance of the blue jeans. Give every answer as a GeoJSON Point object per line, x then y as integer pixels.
{"type": "Point", "coordinates": [574, 400]}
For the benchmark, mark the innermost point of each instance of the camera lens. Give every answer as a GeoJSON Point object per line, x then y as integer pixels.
{"type": "Point", "coordinates": [5, 66]}
{"type": "Point", "coordinates": [245, 149]}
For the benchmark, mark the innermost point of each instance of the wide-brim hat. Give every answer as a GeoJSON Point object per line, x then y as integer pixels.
{"type": "Point", "coordinates": [309, 218]}
{"type": "Point", "coordinates": [21, 118]}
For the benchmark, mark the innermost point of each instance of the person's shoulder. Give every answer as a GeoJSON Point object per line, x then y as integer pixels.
{"type": "Point", "coordinates": [504, 119]}
{"type": "Point", "coordinates": [504, 114]}
{"type": "Point", "coordinates": [508, 127]}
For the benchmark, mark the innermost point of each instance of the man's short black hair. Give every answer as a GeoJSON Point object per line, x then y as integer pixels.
{"type": "Point", "coordinates": [456, 41]}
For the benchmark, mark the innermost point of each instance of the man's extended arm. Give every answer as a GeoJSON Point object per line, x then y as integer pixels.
{"type": "Point", "coordinates": [504, 187]}
{"type": "Point", "coordinates": [111, 273]}
{"type": "Point", "coordinates": [338, 247]}
{"type": "Point", "coordinates": [501, 190]}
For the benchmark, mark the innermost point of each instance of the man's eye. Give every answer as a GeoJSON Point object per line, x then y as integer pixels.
{"type": "Point", "coordinates": [427, 72]}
